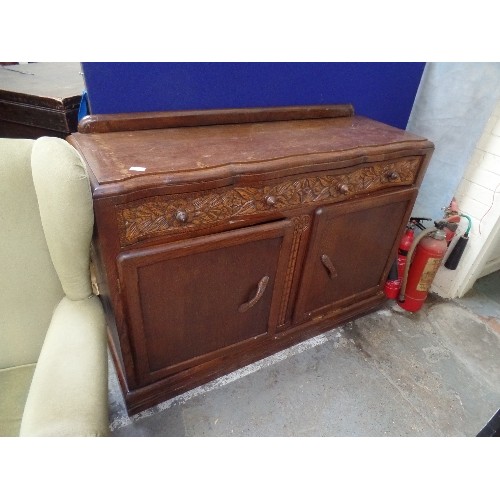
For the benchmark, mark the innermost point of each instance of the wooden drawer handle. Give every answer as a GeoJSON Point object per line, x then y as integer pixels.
{"type": "Point", "coordinates": [181, 216]}
{"type": "Point", "coordinates": [393, 176]}
{"type": "Point", "coordinates": [261, 288]}
{"type": "Point", "coordinates": [332, 272]}
{"type": "Point", "coordinates": [343, 188]}
{"type": "Point", "coordinates": [270, 200]}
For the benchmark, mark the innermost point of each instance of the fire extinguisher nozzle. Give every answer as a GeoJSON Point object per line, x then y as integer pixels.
{"type": "Point", "coordinates": [456, 254]}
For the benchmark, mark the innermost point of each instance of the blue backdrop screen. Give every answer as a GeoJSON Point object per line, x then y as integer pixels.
{"type": "Point", "coordinates": [383, 91]}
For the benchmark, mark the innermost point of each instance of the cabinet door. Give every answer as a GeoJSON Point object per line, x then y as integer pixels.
{"type": "Point", "coordinates": [350, 252]}
{"type": "Point", "coordinates": [192, 301]}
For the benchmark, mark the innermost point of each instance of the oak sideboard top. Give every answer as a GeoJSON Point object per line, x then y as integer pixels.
{"type": "Point", "coordinates": [124, 161]}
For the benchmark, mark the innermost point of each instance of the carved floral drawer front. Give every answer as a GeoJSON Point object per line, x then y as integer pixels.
{"type": "Point", "coordinates": [175, 214]}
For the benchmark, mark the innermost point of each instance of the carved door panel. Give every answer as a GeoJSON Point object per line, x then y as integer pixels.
{"type": "Point", "coordinates": [192, 301]}
{"type": "Point", "coordinates": [350, 252]}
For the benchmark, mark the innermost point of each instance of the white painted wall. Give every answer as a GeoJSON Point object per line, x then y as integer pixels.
{"type": "Point", "coordinates": [492, 258]}
{"type": "Point", "coordinates": [478, 195]}
{"type": "Point", "coordinates": [458, 108]}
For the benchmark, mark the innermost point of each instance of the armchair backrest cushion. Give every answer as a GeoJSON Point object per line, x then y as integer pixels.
{"type": "Point", "coordinates": [29, 286]}
{"type": "Point", "coordinates": [46, 222]}
{"type": "Point", "coordinates": [65, 202]}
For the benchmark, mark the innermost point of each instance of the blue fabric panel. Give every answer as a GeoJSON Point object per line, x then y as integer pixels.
{"type": "Point", "coordinates": [383, 91]}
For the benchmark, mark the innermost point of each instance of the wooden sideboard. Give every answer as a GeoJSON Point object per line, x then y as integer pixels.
{"type": "Point", "coordinates": [222, 237]}
{"type": "Point", "coordinates": [40, 99]}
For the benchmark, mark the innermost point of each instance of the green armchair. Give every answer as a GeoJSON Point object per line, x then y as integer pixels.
{"type": "Point", "coordinates": [53, 354]}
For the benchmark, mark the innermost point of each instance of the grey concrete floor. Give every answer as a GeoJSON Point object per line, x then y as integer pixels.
{"type": "Point", "coordinates": [390, 373]}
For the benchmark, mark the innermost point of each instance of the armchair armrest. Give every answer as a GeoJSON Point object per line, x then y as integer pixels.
{"type": "Point", "coordinates": [69, 392]}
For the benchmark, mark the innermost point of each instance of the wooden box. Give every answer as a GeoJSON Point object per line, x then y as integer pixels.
{"type": "Point", "coordinates": [40, 99]}
{"type": "Point", "coordinates": [222, 237]}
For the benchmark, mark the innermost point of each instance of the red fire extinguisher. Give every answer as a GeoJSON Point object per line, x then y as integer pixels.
{"type": "Point", "coordinates": [419, 257]}
{"type": "Point", "coordinates": [423, 261]}
{"type": "Point", "coordinates": [393, 284]}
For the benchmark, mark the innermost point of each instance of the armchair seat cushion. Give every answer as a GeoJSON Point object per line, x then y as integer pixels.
{"type": "Point", "coordinates": [71, 373]}
{"type": "Point", "coordinates": [14, 387]}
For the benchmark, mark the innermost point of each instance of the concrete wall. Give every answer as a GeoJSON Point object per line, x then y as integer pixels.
{"type": "Point", "coordinates": [453, 104]}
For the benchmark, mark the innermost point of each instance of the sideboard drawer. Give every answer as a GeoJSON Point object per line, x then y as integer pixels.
{"type": "Point", "coordinates": [179, 214]}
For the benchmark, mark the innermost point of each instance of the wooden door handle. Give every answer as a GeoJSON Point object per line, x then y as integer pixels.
{"type": "Point", "coordinates": [261, 288]}
{"type": "Point", "coordinates": [332, 272]}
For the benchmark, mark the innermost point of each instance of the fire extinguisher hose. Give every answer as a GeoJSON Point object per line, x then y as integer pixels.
{"type": "Point", "coordinates": [469, 225]}
{"type": "Point", "coordinates": [456, 254]}
{"type": "Point", "coordinates": [409, 257]}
